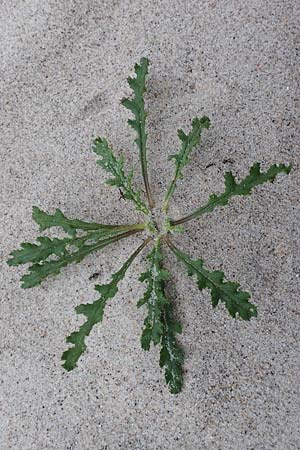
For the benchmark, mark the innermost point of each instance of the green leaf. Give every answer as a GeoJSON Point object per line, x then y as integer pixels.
{"type": "Point", "coordinates": [70, 226]}
{"type": "Point", "coordinates": [94, 313]}
{"type": "Point", "coordinates": [50, 255]}
{"type": "Point", "coordinates": [154, 298]}
{"type": "Point", "coordinates": [244, 187]}
{"type": "Point", "coordinates": [236, 301]}
{"type": "Point", "coordinates": [188, 142]}
{"type": "Point", "coordinates": [171, 354]}
{"type": "Point", "coordinates": [159, 325]}
{"type": "Point", "coordinates": [137, 107]}
{"type": "Point", "coordinates": [63, 251]}
{"type": "Point", "coordinates": [34, 253]}
{"type": "Point", "coordinates": [115, 167]}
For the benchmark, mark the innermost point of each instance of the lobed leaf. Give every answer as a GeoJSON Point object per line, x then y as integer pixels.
{"type": "Point", "coordinates": [154, 298]}
{"type": "Point", "coordinates": [159, 325]}
{"type": "Point", "coordinates": [137, 107]}
{"type": "Point", "coordinates": [171, 354]}
{"type": "Point", "coordinates": [188, 142]}
{"type": "Point", "coordinates": [63, 250]}
{"type": "Point", "coordinates": [115, 167]}
{"type": "Point", "coordinates": [236, 301]}
{"type": "Point", "coordinates": [33, 253]}
{"type": "Point", "coordinates": [232, 188]}
{"type": "Point", "coordinates": [94, 313]}
{"type": "Point", "coordinates": [70, 226]}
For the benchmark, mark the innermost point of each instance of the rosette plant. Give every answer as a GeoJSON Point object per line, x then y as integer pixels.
{"type": "Point", "coordinates": [49, 255]}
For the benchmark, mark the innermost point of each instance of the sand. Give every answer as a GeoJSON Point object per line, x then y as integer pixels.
{"type": "Point", "coordinates": [63, 72]}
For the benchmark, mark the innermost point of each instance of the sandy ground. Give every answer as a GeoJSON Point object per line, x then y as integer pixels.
{"type": "Point", "coordinates": [62, 74]}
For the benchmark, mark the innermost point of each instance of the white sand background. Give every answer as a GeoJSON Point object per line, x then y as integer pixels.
{"type": "Point", "coordinates": [63, 71]}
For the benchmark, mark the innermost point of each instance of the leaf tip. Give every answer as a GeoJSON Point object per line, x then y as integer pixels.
{"type": "Point", "coordinates": [205, 122]}
{"type": "Point", "coordinates": [67, 365]}
{"type": "Point", "coordinates": [288, 168]}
